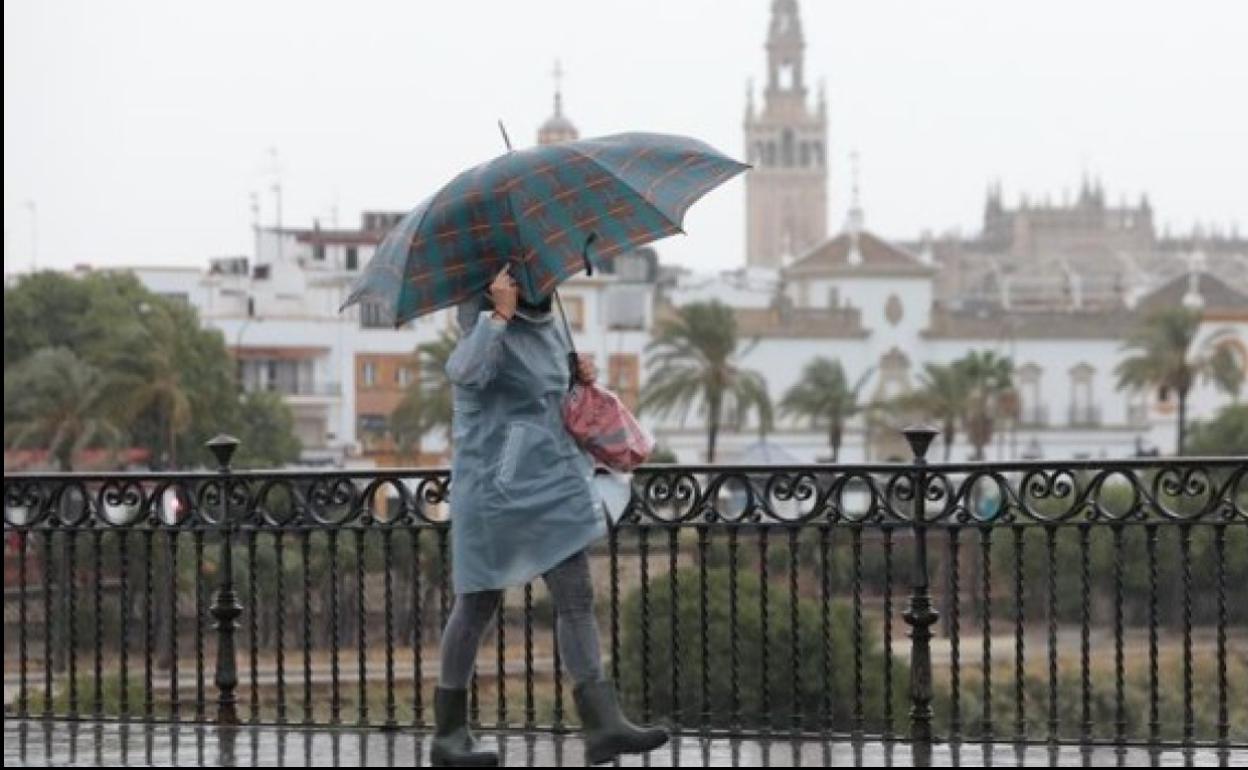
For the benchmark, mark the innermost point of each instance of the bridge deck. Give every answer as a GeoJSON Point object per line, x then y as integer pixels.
{"type": "Point", "coordinates": [37, 743]}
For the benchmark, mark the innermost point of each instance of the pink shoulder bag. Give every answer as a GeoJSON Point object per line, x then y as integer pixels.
{"type": "Point", "coordinates": [599, 421]}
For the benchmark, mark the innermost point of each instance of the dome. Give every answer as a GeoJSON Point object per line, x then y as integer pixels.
{"type": "Point", "coordinates": [557, 127]}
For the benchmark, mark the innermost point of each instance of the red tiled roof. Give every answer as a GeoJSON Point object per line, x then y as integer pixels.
{"type": "Point", "coordinates": [1217, 295]}
{"type": "Point", "coordinates": [85, 460]}
{"type": "Point", "coordinates": [878, 257]}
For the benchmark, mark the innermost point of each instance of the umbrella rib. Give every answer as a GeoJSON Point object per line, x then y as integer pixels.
{"type": "Point", "coordinates": [404, 284]}
{"type": "Point", "coordinates": [522, 258]}
{"type": "Point", "coordinates": [638, 193]}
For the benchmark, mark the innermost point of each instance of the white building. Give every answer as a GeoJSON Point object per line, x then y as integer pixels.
{"type": "Point", "coordinates": [882, 308]}
{"type": "Point", "coordinates": [344, 373]}
{"type": "Point", "coordinates": [1068, 283]}
{"type": "Point", "coordinates": [869, 303]}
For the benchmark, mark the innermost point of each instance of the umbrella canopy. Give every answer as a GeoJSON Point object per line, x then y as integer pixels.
{"type": "Point", "coordinates": [550, 211]}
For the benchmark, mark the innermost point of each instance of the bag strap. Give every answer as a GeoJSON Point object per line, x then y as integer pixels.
{"type": "Point", "coordinates": [567, 332]}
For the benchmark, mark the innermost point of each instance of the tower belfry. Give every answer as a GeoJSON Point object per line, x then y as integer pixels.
{"type": "Point", "coordinates": [786, 141]}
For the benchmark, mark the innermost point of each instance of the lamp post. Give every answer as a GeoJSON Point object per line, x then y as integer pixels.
{"type": "Point", "coordinates": [920, 615]}
{"type": "Point", "coordinates": [238, 343]}
{"type": "Point", "coordinates": [226, 609]}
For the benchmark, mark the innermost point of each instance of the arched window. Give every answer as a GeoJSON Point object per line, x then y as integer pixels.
{"type": "Point", "coordinates": [1083, 410]}
{"type": "Point", "coordinates": [785, 75]}
{"type": "Point", "coordinates": [1032, 411]}
{"type": "Point", "coordinates": [786, 148]}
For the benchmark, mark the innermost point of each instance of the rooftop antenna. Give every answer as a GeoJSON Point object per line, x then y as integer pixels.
{"type": "Point", "coordinates": [34, 235]}
{"type": "Point", "coordinates": [275, 168]}
{"type": "Point", "coordinates": [255, 210]}
{"type": "Point", "coordinates": [853, 221]}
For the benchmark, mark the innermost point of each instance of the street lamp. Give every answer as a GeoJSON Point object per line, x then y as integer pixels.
{"type": "Point", "coordinates": [238, 342]}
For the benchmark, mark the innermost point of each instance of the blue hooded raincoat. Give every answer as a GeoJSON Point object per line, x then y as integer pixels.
{"type": "Point", "coordinates": [522, 492]}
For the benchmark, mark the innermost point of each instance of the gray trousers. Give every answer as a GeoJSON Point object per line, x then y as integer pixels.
{"type": "Point", "coordinates": [576, 629]}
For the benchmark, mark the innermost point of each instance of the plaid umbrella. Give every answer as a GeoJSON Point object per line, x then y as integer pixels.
{"type": "Point", "coordinates": [550, 211]}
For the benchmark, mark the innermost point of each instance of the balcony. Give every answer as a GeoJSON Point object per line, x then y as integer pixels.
{"type": "Point", "coordinates": [312, 389]}
{"type": "Point", "coordinates": [1084, 416]}
{"type": "Point", "coordinates": [1034, 416]}
{"type": "Point", "coordinates": [301, 389]}
{"type": "Point", "coordinates": [912, 613]}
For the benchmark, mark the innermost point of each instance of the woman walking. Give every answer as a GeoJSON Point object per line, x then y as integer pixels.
{"type": "Point", "coordinates": [522, 504]}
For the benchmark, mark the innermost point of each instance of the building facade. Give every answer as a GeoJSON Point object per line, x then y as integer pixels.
{"type": "Point", "coordinates": [873, 305]}
{"type": "Point", "coordinates": [1055, 287]}
{"type": "Point", "coordinates": [786, 193]}
{"type": "Point", "coordinates": [1077, 252]}
{"type": "Point", "coordinates": [344, 373]}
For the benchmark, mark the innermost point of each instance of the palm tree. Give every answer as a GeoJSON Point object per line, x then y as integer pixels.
{"type": "Point", "coordinates": [155, 382]}
{"type": "Point", "coordinates": [988, 378]}
{"type": "Point", "coordinates": [150, 361]}
{"type": "Point", "coordinates": [56, 401]}
{"type": "Point", "coordinates": [941, 397]}
{"type": "Point", "coordinates": [824, 397]}
{"type": "Point", "coordinates": [1164, 360]}
{"type": "Point", "coordinates": [428, 402]}
{"type": "Point", "coordinates": [692, 360]}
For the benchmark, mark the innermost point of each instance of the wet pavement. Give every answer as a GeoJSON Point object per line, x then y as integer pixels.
{"type": "Point", "coordinates": [35, 743]}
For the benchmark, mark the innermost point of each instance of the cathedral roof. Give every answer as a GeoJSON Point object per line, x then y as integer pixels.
{"type": "Point", "coordinates": [1217, 297]}
{"type": "Point", "coordinates": [997, 324]}
{"type": "Point", "coordinates": [859, 253]}
{"type": "Point", "coordinates": [1111, 323]}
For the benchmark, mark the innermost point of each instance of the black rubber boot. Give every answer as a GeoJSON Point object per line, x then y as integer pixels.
{"type": "Point", "coordinates": [608, 733]}
{"type": "Point", "coordinates": [453, 744]}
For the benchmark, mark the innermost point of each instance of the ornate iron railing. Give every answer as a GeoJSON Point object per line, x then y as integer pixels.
{"type": "Point", "coordinates": [734, 599]}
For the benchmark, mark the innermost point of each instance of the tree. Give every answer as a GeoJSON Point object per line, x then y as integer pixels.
{"type": "Point", "coordinates": [45, 310]}
{"type": "Point", "coordinates": [664, 649]}
{"type": "Point", "coordinates": [1226, 434]}
{"type": "Point", "coordinates": [428, 402]}
{"type": "Point", "coordinates": [176, 377]}
{"type": "Point", "coordinates": [941, 397]}
{"type": "Point", "coordinates": [152, 378]}
{"type": "Point", "coordinates": [266, 432]}
{"type": "Point", "coordinates": [693, 359]}
{"type": "Point", "coordinates": [988, 379]}
{"type": "Point", "coordinates": [824, 397]}
{"type": "Point", "coordinates": [1163, 359]}
{"type": "Point", "coordinates": [56, 401]}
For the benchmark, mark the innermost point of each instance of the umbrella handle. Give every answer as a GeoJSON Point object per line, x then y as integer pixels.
{"type": "Point", "coordinates": [589, 266]}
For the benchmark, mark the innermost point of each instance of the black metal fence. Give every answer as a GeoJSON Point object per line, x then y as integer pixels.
{"type": "Point", "coordinates": [1065, 601]}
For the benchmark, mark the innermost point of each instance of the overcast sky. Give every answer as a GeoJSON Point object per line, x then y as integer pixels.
{"type": "Point", "coordinates": [140, 130]}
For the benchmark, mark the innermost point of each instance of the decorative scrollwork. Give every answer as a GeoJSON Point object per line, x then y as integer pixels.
{"type": "Point", "coordinates": [1169, 490]}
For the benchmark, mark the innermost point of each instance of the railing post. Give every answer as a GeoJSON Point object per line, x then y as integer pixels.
{"type": "Point", "coordinates": [920, 616]}
{"type": "Point", "coordinates": [226, 609]}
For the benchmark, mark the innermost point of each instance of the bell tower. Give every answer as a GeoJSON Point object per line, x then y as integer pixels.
{"type": "Point", "coordinates": [786, 194]}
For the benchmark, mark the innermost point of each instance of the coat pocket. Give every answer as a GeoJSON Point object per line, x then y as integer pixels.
{"type": "Point", "coordinates": [529, 458]}
{"type": "Point", "coordinates": [510, 454]}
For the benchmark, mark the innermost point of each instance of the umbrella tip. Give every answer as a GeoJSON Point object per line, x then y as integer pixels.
{"type": "Point", "coordinates": [503, 130]}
